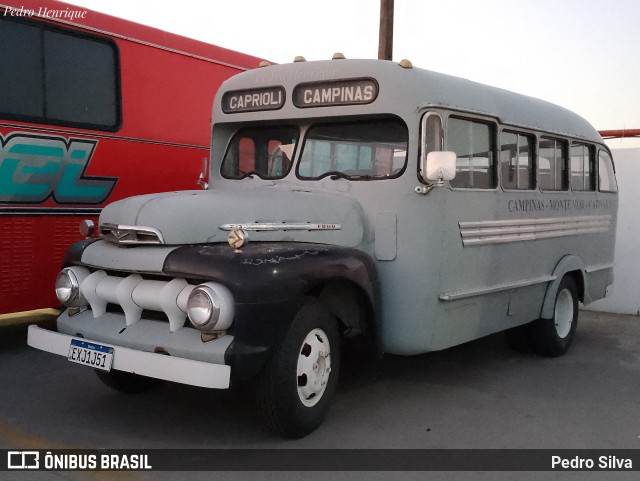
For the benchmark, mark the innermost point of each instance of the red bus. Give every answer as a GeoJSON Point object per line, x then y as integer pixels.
{"type": "Point", "coordinates": [92, 109]}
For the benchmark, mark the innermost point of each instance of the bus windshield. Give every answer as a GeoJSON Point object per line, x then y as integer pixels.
{"type": "Point", "coordinates": [365, 149]}
{"type": "Point", "coordinates": [263, 151]}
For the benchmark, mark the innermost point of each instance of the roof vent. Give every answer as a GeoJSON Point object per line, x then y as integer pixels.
{"type": "Point", "coordinates": [299, 58]}
{"type": "Point", "coordinates": [338, 56]}
{"type": "Point", "coordinates": [264, 63]}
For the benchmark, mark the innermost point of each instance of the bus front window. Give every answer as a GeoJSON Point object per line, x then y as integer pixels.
{"type": "Point", "coordinates": [265, 151]}
{"type": "Point", "coordinates": [365, 149]}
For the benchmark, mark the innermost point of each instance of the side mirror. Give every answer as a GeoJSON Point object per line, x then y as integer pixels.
{"type": "Point", "coordinates": [203, 180]}
{"type": "Point", "coordinates": [438, 167]}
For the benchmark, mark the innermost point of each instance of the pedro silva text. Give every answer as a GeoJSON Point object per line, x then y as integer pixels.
{"type": "Point", "coordinates": [603, 462]}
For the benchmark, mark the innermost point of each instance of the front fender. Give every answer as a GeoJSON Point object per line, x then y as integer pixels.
{"type": "Point", "coordinates": [73, 255]}
{"type": "Point", "coordinates": [264, 272]}
{"type": "Point", "coordinates": [269, 282]}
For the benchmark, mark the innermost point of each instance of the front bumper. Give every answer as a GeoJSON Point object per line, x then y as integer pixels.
{"type": "Point", "coordinates": [159, 366]}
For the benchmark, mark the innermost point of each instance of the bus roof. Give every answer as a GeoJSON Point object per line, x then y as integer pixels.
{"type": "Point", "coordinates": [406, 90]}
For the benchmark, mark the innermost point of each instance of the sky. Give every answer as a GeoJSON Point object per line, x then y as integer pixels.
{"type": "Point", "coordinates": [581, 54]}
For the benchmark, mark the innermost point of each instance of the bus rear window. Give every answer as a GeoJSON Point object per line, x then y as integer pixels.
{"type": "Point", "coordinates": [606, 173]}
{"type": "Point", "coordinates": [266, 152]}
{"type": "Point", "coordinates": [367, 149]}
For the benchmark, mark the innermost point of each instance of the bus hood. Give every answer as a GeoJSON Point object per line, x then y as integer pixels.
{"type": "Point", "coordinates": [197, 217]}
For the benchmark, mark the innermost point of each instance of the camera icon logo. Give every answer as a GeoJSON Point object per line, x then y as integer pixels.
{"type": "Point", "coordinates": [23, 460]}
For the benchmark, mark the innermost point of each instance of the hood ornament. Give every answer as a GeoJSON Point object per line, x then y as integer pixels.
{"type": "Point", "coordinates": [237, 239]}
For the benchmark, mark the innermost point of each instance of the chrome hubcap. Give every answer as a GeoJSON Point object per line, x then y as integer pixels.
{"type": "Point", "coordinates": [563, 315]}
{"type": "Point", "coordinates": [314, 367]}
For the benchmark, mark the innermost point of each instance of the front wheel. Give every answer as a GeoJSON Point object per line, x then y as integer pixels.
{"type": "Point", "coordinates": [552, 337]}
{"type": "Point", "coordinates": [296, 386]}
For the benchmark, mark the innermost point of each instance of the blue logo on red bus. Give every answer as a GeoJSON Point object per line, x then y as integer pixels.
{"type": "Point", "coordinates": [35, 168]}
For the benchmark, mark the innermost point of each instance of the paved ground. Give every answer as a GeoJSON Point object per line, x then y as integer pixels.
{"type": "Point", "coordinates": [478, 395]}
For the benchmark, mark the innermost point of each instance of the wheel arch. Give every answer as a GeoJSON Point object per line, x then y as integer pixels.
{"type": "Point", "coordinates": [352, 304]}
{"type": "Point", "coordinates": [569, 265]}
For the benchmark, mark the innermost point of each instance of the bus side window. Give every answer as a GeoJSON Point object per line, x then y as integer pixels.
{"type": "Point", "coordinates": [606, 174]}
{"type": "Point", "coordinates": [58, 76]}
{"type": "Point", "coordinates": [516, 161]}
{"type": "Point", "coordinates": [552, 164]}
{"type": "Point", "coordinates": [81, 85]}
{"type": "Point", "coordinates": [582, 168]}
{"type": "Point", "coordinates": [432, 140]}
{"type": "Point", "coordinates": [472, 141]}
{"type": "Point", "coordinates": [21, 75]}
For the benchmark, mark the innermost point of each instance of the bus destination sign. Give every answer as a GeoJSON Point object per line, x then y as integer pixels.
{"type": "Point", "coordinates": [253, 100]}
{"type": "Point", "coordinates": [341, 92]}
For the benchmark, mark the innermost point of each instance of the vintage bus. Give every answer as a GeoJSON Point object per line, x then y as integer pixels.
{"type": "Point", "coordinates": [361, 198]}
{"type": "Point", "coordinates": [92, 109]}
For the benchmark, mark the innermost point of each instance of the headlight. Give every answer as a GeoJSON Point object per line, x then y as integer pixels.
{"type": "Point", "coordinates": [203, 306]}
{"type": "Point", "coordinates": [210, 307]}
{"type": "Point", "coordinates": [68, 286]}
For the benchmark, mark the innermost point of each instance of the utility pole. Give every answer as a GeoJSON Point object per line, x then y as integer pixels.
{"type": "Point", "coordinates": [385, 46]}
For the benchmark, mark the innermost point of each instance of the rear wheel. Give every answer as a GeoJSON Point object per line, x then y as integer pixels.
{"type": "Point", "coordinates": [296, 386]}
{"type": "Point", "coordinates": [127, 382]}
{"type": "Point", "coordinates": [552, 337]}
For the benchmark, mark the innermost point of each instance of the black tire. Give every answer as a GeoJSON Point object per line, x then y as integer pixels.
{"type": "Point", "coordinates": [292, 405]}
{"type": "Point", "coordinates": [552, 337]}
{"type": "Point", "coordinates": [127, 382]}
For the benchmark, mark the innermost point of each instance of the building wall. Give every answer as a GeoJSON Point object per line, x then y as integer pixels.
{"type": "Point", "coordinates": [625, 295]}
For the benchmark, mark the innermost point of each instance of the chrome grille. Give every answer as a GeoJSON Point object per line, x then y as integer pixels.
{"type": "Point", "coordinates": [135, 294]}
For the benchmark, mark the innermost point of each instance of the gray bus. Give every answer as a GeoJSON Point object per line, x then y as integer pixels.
{"type": "Point", "coordinates": [345, 198]}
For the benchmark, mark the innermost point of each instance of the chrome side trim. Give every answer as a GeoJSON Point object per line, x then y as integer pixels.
{"type": "Point", "coordinates": [452, 296]}
{"type": "Point", "coordinates": [517, 230]}
{"type": "Point", "coordinates": [277, 226]}
{"type": "Point", "coordinates": [131, 234]}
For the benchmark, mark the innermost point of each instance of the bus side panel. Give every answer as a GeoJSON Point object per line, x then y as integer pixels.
{"type": "Point", "coordinates": [464, 270]}
{"type": "Point", "coordinates": [524, 263]}
{"type": "Point", "coordinates": [409, 283]}
{"type": "Point", "coordinates": [31, 260]}
{"type": "Point", "coordinates": [598, 283]}
{"type": "Point", "coordinates": [167, 96]}
{"type": "Point", "coordinates": [143, 168]}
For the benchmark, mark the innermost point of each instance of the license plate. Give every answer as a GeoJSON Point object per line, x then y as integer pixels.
{"type": "Point", "coordinates": [91, 354]}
